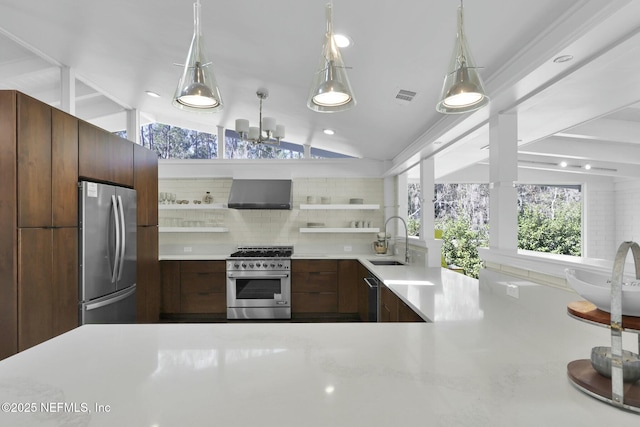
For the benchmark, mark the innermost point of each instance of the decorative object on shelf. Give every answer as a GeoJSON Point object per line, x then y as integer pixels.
{"type": "Point", "coordinates": [330, 91]}
{"type": "Point", "coordinates": [325, 200]}
{"type": "Point", "coordinates": [207, 198]}
{"type": "Point", "coordinates": [267, 130]}
{"type": "Point", "coordinates": [601, 362]}
{"type": "Point", "coordinates": [312, 200]}
{"type": "Point", "coordinates": [463, 90]}
{"type": "Point", "coordinates": [197, 89]}
{"type": "Point", "coordinates": [166, 198]}
{"type": "Point", "coordinates": [604, 377]}
{"type": "Point", "coordinates": [596, 288]}
{"type": "Point", "coordinates": [356, 201]}
{"type": "Point", "coordinates": [380, 245]}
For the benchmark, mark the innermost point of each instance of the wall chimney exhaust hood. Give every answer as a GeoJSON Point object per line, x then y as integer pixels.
{"type": "Point", "coordinates": [260, 194]}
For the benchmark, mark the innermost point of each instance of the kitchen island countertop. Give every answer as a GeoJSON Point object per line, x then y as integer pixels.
{"type": "Point", "coordinates": [489, 360]}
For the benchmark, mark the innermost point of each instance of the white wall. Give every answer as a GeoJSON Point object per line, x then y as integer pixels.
{"type": "Point", "coordinates": [627, 211]}
{"type": "Point", "coordinates": [274, 227]}
{"type": "Point", "coordinates": [599, 220]}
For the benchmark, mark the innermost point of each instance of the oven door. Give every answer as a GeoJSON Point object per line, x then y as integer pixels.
{"type": "Point", "coordinates": [258, 294]}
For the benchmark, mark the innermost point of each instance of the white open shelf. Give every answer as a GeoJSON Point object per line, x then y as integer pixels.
{"type": "Point", "coordinates": [338, 230]}
{"type": "Point", "coordinates": [192, 206]}
{"type": "Point", "coordinates": [344, 206]}
{"type": "Point", "coordinates": [193, 229]}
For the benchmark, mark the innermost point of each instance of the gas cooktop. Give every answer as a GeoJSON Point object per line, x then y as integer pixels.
{"type": "Point", "coordinates": [263, 252]}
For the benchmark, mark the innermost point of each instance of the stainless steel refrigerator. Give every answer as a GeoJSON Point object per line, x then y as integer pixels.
{"type": "Point", "coordinates": [107, 256]}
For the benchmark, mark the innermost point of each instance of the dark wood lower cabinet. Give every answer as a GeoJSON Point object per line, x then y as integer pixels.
{"type": "Point", "coordinates": [321, 290]}
{"type": "Point", "coordinates": [348, 286]}
{"type": "Point", "coordinates": [393, 309]}
{"type": "Point", "coordinates": [314, 286]}
{"type": "Point", "coordinates": [363, 293]}
{"type": "Point", "coordinates": [193, 287]}
{"type": "Point", "coordinates": [203, 287]}
{"type": "Point", "coordinates": [48, 284]}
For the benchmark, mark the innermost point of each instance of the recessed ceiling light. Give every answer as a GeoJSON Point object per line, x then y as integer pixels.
{"type": "Point", "coordinates": [152, 94]}
{"type": "Point", "coordinates": [563, 164]}
{"type": "Point", "coordinates": [329, 132]}
{"type": "Point", "coordinates": [587, 166]}
{"type": "Point", "coordinates": [342, 40]}
{"type": "Point", "coordinates": [562, 58]}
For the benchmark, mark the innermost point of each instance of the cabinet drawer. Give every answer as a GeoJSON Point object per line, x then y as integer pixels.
{"type": "Point", "coordinates": [202, 282]}
{"type": "Point", "coordinates": [314, 302]}
{"type": "Point", "coordinates": [203, 302]}
{"type": "Point", "coordinates": [308, 265]}
{"type": "Point", "coordinates": [314, 281]}
{"type": "Point", "coordinates": [203, 266]}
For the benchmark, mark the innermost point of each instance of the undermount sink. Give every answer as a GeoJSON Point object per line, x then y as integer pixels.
{"type": "Point", "coordinates": [385, 262]}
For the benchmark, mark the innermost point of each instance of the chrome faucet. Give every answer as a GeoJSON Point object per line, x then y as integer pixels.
{"type": "Point", "coordinates": [406, 236]}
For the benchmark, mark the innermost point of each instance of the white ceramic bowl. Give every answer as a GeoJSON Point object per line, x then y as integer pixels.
{"type": "Point", "coordinates": [596, 288]}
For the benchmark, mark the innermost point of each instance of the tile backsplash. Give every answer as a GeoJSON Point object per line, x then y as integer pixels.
{"type": "Point", "coordinates": [274, 227]}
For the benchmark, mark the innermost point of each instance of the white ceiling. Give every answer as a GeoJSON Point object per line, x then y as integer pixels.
{"type": "Point", "coordinates": [119, 49]}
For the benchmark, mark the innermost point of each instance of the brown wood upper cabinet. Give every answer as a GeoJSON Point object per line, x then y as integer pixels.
{"type": "Point", "coordinates": [103, 156]}
{"type": "Point", "coordinates": [145, 179]}
{"type": "Point", "coordinates": [47, 165]}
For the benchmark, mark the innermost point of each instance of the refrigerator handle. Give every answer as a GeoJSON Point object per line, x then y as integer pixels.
{"type": "Point", "coordinates": [123, 242]}
{"type": "Point", "coordinates": [103, 303]}
{"type": "Point", "coordinates": [116, 260]}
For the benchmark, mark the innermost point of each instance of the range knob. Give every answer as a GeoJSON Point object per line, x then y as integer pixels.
{"type": "Point", "coordinates": [258, 265]}
{"type": "Point", "coordinates": [244, 265]}
{"type": "Point", "coordinates": [279, 264]}
{"type": "Point", "coordinates": [273, 265]}
{"type": "Point", "coordinates": [236, 265]}
{"type": "Point", "coordinates": [251, 265]}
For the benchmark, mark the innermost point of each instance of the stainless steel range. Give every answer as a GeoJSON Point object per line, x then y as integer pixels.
{"type": "Point", "coordinates": [259, 283]}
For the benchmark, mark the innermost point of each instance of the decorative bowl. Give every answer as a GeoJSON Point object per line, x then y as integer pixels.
{"type": "Point", "coordinates": [601, 362]}
{"type": "Point", "coordinates": [596, 288]}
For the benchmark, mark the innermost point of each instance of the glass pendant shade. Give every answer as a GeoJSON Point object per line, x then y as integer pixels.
{"type": "Point", "coordinates": [197, 89]}
{"type": "Point", "coordinates": [462, 90]}
{"type": "Point", "coordinates": [330, 91]}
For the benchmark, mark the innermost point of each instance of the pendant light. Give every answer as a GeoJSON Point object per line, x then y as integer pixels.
{"type": "Point", "coordinates": [330, 91]}
{"type": "Point", "coordinates": [197, 89]}
{"type": "Point", "coordinates": [463, 90]}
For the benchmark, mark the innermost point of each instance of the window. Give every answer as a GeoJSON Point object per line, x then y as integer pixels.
{"type": "Point", "coordinates": [414, 202]}
{"type": "Point", "coordinates": [550, 218]}
{"type": "Point", "coordinates": [172, 142]}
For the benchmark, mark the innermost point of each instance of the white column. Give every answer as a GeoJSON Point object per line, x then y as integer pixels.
{"type": "Point", "coordinates": [427, 190]}
{"type": "Point", "coordinates": [503, 173]}
{"type": "Point", "coordinates": [427, 220]}
{"type": "Point", "coordinates": [307, 151]}
{"type": "Point", "coordinates": [68, 90]}
{"type": "Point", "coordinates": [221, 142]}
{"type": "Point", "coordinates": [133, 125]}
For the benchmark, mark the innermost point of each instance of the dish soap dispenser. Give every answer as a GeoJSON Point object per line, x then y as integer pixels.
{"type": "Point", "coordinates": [207, 198]}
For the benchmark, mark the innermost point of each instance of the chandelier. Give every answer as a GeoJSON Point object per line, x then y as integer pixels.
{"type": "Point", "coordinates": [267, 130]}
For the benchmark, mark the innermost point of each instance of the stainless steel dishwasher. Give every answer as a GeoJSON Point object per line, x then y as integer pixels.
{"type": "Point", "coordinates": [373, 297]}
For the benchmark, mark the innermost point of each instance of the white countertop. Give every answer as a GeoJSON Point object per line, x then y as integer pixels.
{"type": "Point", "coordinates": [503, 365]}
